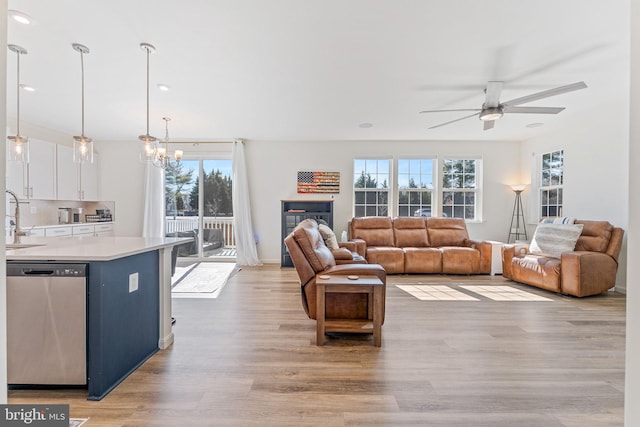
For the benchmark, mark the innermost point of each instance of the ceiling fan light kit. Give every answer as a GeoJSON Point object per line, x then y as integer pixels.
{"type": "Point", "coordinates": [492, 109]}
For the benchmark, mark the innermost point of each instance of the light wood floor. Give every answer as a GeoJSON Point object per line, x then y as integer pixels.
{"type": "Point", "coordinates": [249, 358]}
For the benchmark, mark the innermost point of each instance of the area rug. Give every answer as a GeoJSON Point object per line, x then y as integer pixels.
{"type": "Point", "coordinates": [77, 422]}
{"type": "Point", "coordinates": [204, 278]}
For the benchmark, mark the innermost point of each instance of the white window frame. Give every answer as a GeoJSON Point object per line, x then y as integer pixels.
{"type": "Point", "coordinates": [432, 190]}
{"type": "Point", "coordinates": [540, 186]}
{"type": "Point", "coordinates": [478, 193]}
{"type": "Point", "coordinates": [389, 189]}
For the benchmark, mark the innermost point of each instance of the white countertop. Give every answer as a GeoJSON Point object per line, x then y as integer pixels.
{"type": "Point", "coordinates": [87, 248]}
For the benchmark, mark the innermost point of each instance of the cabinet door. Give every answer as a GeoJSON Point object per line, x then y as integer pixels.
{"type": "Point", "coordinates": [35, 180]}
{"type": "Point", "coordinates": [42, 170]}
{"type": "Point", "coordinates": [68, 182]}
{"type": "Point", "coordinates": [89, 180]}
{"type": "Point", "coordinates": [16, 181]}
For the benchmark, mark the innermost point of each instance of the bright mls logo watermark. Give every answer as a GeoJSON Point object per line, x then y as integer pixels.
{"type": "Point", "coordinates": [34, 415]}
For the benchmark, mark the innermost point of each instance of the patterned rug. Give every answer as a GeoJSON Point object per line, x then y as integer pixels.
{"type": "Point", "coordinates": [201, 278]}
{"type": "Point", "coordinates": [77, 422]}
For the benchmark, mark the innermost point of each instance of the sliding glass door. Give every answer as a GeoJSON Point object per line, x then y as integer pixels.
{"type": "Point", "coordinates": [199, 205]}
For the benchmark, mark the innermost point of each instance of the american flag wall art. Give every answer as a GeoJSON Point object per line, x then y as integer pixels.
{"type": "Point", "coordinates": [318, 182]}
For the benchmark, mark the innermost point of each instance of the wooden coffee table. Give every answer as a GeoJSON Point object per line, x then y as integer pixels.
{"type": "Point", "coordinates": [371, 285]}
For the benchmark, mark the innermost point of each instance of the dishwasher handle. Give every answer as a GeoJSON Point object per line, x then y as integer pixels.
{"type": "Point", "coordinates": [38, 272]}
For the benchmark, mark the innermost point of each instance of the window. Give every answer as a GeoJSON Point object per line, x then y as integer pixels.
{"type": "Point", "coordinates": [415, 185]}
{"type": "Point", "coordinates": [371, 187]}
{"type": "Point", "coordinates": [460, 188]}
{"type": "Point", "coordinates": [551, 181]}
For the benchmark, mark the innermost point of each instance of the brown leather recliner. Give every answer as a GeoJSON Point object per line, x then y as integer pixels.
{"type": "Point", "coordinates": [590, 269]}
{"type": "Point", "coordinates": [311, 257]}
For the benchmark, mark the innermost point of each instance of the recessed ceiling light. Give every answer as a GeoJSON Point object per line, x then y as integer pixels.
{"type": "Point", "coordinates": [163, 87]}
{"type": "Point", "coordinates": [535, 125]}
{"type": "Point", "coordinates": [365, 125]}
{"type": "Point", "coordinates": [20, 17]}
{"type": "Point", "coordinates": [27, 87]}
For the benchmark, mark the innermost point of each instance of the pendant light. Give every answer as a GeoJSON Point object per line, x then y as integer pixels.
{"type": "Point", "coordinates": [19, 144]}
{"type": "Point", "coordinates": [82, 145]}
{"type": "Point", "coordinates": [161, 158]}
{"type": "Point", "coordinates": [148, 143]}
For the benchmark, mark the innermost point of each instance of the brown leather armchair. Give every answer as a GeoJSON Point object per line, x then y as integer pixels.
{"type": "Point", "coordinates": [311, 257]}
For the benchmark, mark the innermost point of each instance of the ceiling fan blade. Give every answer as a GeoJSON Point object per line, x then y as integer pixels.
{"type": "Point", "coordinates": [444, 111]}
{"type": "Point", "coordinates": [493, 91]}
{"type": "Point", "coordinates": [489, 124]}
{"type": "Point", "coordinates": [533, 110]}
{"type": "Point", "coordinates": [453, 121]}
{"type": "Point", "coordinates": [545, 94]}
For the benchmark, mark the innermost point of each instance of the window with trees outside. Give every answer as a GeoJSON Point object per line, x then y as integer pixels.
{"type": "Point", "coordinates": [371, 187]}
{"type": "Point", "coordinates": [415, 187]}
{"type": "Point", "coordinates": [460, 190]}
{"type": "Point", "coordinates": [198, 203]}
{"type": "Point", "coordinates": [551, 181]}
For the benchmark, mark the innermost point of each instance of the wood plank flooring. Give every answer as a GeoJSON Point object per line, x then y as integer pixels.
{"type": "Point", "coordinates": [248, 358]}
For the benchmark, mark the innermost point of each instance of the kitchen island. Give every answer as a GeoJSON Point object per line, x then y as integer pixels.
{"type": "Point", "coordinates": [128, 298]}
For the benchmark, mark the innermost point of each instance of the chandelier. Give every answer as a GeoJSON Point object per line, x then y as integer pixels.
{"type": "Point", "coordinates": [19, 144]}
{"type": "Point", "coordinates": [161, 156]}
{"type": "Point", "coordinates": [82, 145]}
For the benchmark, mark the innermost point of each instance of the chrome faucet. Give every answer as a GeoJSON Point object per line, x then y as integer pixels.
{"type": "Point", "coordinates": [17, 233]}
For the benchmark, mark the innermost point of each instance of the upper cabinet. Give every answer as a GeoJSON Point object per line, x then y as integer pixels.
{"type": "Point", "coordinates": [76, 181]}
{"type": "Point", "coordinates": [36, 179]}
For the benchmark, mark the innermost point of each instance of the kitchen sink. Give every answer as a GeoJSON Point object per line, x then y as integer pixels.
{"type": "Point", "coordinates": [22, 245]}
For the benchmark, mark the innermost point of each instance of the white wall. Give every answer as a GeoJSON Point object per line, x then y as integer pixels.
{"type": "Point", "coordinates": [273, 168]}
{"type": "Point", "coordinates": [632, 372]}
{"type": "Point", "coordinates": [122, 178]}
{"type": "Point", "coordinates": [3, 256]}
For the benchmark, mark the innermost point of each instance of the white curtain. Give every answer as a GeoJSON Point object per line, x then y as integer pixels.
{"type": "Point", "coordinates": [247, 253]}
{"type": "Point", "coordinates": [153, 219]}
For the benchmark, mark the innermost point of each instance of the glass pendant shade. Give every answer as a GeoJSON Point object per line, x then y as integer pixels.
{"type": "Point", "coordinates": [82, 145]}
{"type": "Point", "coordinates": [82, 150]}
{"type": "Point", "coordinates": [148, 144]}
{"type": "Point", "coordinates": [19, 149]}
{"type": "Point", "coordinates": [19, 145]}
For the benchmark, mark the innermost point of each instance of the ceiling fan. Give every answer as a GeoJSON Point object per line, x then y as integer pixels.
{"type": "Point", "coordinates": [492, 109]}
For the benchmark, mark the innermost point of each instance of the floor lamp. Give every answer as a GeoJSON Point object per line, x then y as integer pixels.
{"type": "Point", "coordinates": [518, 215]}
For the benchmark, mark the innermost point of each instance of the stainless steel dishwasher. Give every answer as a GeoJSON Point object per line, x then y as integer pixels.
{"type": "Point", "coordinates": [46, 324]}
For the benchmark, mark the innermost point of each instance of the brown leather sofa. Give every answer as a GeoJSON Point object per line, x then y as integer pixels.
{"type": "Point", "coordinates": [590, 269]}
{"type": "Point", "coordinates": [419, 245]}
{"type": "Point", "coordinates": [311, 258]}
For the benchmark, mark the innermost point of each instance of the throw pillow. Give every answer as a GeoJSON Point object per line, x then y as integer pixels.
{"type": "Point", "coordinates": [329, 236]}
{"type": "Point", "coordinates": [554, 239]}
{"type": "Point", "coordinates": [558, 220]}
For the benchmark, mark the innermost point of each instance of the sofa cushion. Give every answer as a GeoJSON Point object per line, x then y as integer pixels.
{"type": "Point", "coordinates": [310, 240]}
{"type": "Point", "coordinates": [329, 236]}
{"type": "Point", "coordinates": [460, 260]}
{"type": "Point", "coordinates": [410, 232]}
{"type": "Point", "coordinates": [447, 232]}
{"type": "Point", "coordinates": [422, 260]}
{"type": "Point", "coordinates": [595, 236]}
{"type": "Point", "coordinates": [554, 239]}
{"type": "Point", "coordinates": [536, 270]}
{"type": "Point", "coordinates": [376, 231]}
{"type": "Point", "coordinates": [392, 259]}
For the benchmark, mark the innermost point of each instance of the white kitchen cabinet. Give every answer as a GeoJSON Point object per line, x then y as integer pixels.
{"type": "Point", "coordinates": [36, 179]}
{"type": "Point", "coordinates": [104, 230]}
{"type": "Point", "coordinates": [58, 231]}
{"type": "Point", "coordinates": [76, 181]}
{"type": "Point", "coordinates": [83, 230]}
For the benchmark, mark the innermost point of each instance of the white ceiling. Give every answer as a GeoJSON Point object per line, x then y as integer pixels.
{"type": "Point", "coordinates": [313, 69]}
